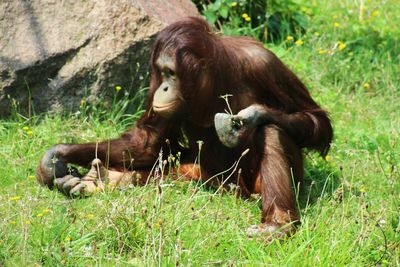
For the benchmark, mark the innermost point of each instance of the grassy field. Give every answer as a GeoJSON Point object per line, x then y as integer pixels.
{"type": "Point", "coordinates": [350, 207]}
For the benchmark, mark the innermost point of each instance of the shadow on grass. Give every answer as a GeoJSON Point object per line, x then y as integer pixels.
{"type": "Point", "coordinates": [321, 180]}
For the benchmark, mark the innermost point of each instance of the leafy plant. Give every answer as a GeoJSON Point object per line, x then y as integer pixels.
{"type": "Point", "coordinates": [269, 20]}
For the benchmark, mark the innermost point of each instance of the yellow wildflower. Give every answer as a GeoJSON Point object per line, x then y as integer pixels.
{"type": "Point", "coordinates": [31, 177]}
{"type": "Point", "coordinates": [46, 210]}
{"type": "Point", "coordinates": [366, 86]}
{"type": "Point", "coordinates": [13, 222]}
{"type": "Point", "coordinates": [328, 158]}
{"type": "Point", "coordinates": [245, 15]}
{"type": "Point", "coordinates": [341, 45]}
{"type": "Point", "coordinates": [289, 38]}
{"type": "Point", "coordinates": [29, 133]}
{"type": "Point", "coordinates": [16, 198]}
{"type": "Point", "coordinates": [233, 4]}
{"type": "Point", "coordinates": [305, 10]}
{"type": "Point", "coordinates": [316, 33]}
{"type": "Point", "coordinates": [158, 224]}
{"type": "Point", "coordinates": [299, 42]}
{"type": "Point", "coordinates": [68, 238]}
{"type": "Point", "coordinates": [118, 88]}
{"type": "Point", "coordinates": [362, 189]}
{"type": "Point", "coordinates": [82, 103]}
{"type": "Point", "coordinates": [40, 215]}
{"type": "Point", "coordinates": [25, 128]}
{"type": "Point", "coordinates": [322, 51]}
{"type": "Point", "coordinates": [336, 24]}
{"type": "Point", "coordinates": [375, 13]}
{"type": "Point", "coordinates": [112, 185]}
{"type": "Point", "coordinates": [247, 19]}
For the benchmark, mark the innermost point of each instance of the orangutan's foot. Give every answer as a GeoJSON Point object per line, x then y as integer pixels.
{"type": "Point", "coordinates": [268, 232]}
{"type": "Point", "coordinates": [231, 129]}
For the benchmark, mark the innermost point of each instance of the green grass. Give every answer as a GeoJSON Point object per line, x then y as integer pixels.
{"type": "Point", "coordinates": [350, 207]}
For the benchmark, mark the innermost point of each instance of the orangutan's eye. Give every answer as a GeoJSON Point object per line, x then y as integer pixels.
{"type": "Point", "coordinates": [169, 73]}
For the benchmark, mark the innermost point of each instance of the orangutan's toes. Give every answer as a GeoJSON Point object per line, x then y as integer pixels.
{"type": "Point", "coordinates": [268, 232]}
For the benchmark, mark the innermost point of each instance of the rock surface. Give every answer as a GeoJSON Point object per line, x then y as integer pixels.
{"type": "Point", "coordinates": [55, 53]}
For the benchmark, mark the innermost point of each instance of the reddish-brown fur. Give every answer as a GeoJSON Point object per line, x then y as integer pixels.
{"type": "Point", "coordinates": [208, 66]}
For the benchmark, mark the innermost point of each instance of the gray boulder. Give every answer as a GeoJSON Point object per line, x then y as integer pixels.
{"type": "Point", "coordinates": [55, 53]}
